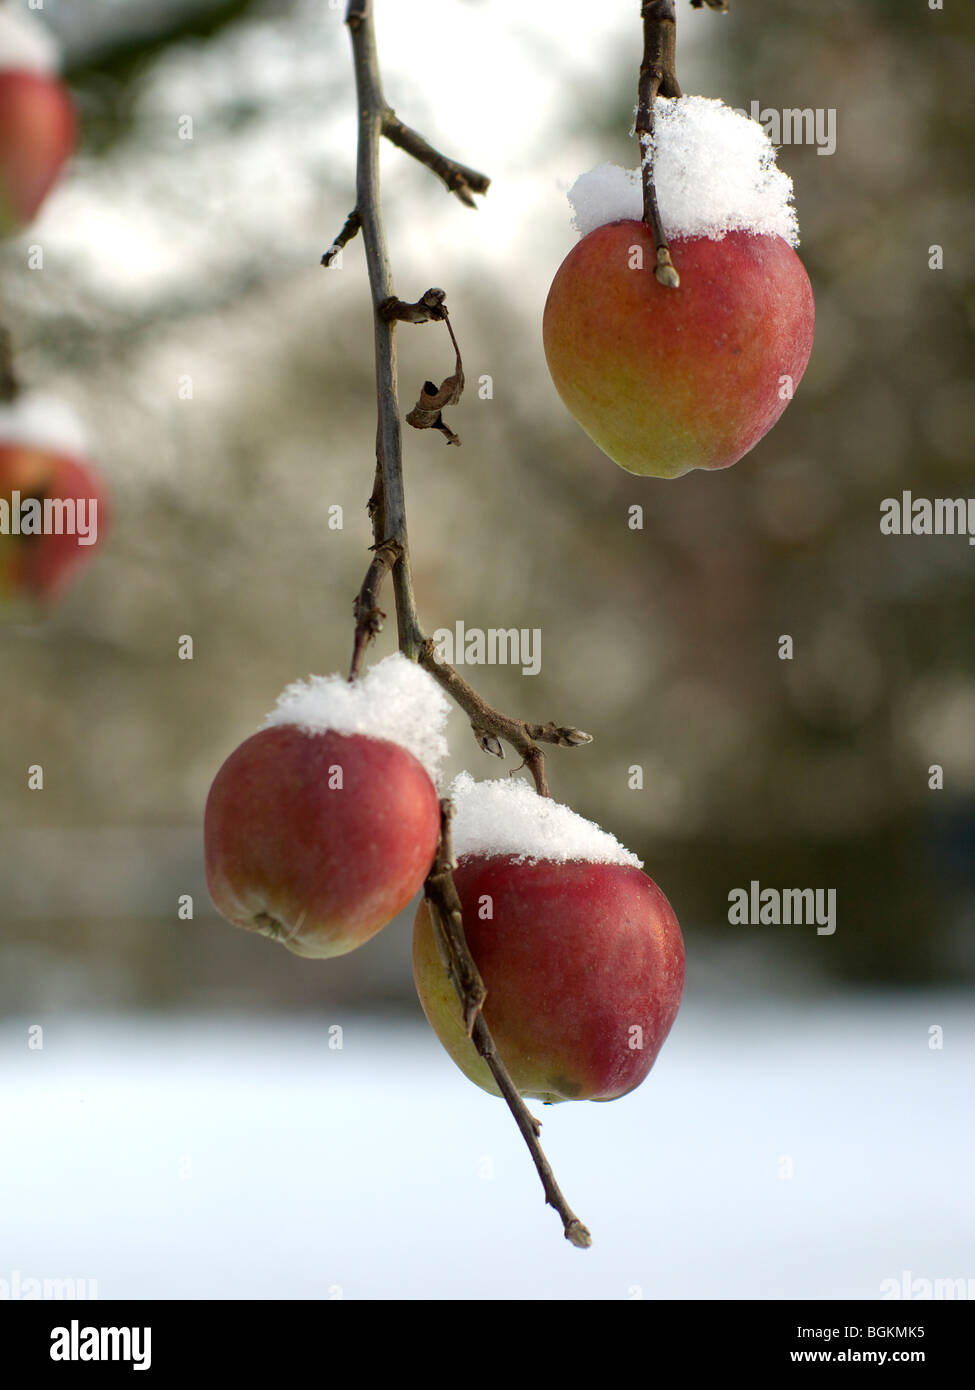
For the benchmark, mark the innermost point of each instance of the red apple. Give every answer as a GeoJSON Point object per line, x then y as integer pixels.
{"type": "Point", "coordinates": [667, 380]}
{"type": "Point", "coordinates": [584, 969]}
{"type": "Point", "coordinates": [317, 840]}
{"type": "Point", "coordinates": [61, 491]}
{"type": "Point", "coordinates": [37, 136]}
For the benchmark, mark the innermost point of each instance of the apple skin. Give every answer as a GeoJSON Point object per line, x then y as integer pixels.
{"type": "Point", "coordinates": [38, 132]}
{"type": "Point", "coordinates": [574, 957]}
{"type": "Point", "coordinates": [667, 380]}
{"type": "Point", "coordinates": [39, 567]}
{"type": "Point", "coordinates": [320, 869]}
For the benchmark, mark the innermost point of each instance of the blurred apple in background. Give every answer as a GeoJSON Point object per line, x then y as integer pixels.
{"type": "Point", "coordinates": [38, 127]}
{"type": "Point", "coordinates": [53, 503]}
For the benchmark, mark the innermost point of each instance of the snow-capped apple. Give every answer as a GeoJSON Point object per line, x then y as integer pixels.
{"type": "Point", "coordinates": [321, 827]}
{"type": "Point", "coordinates": [579, 950]}
{"type": "Point", "coordinates": [38, 127]}
{"type": "Point", "coordinates": [53, 503]}
{"type": "Point", "coordinates": [665, 380]}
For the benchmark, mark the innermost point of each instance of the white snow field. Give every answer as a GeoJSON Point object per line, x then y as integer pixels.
{"type": "Point", "coordinates": [797, 1150]}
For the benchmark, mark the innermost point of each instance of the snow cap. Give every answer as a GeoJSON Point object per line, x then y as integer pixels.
{"type": "Point", "coordinates": [37, 421]}
{"type": "Point", "coordinates": [395, 700]}
{"type": "Point", "coordinates": [26, 43]}
{"type": "Point", "coordinates": [508, 817]}
{"type": "Point", "coordinates": [714, 171]}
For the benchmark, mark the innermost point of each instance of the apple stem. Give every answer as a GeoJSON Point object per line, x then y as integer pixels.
{"type": "Point", "coordinates": [387, 511]}
{"type": "Point", "coordinates": [658, 77]}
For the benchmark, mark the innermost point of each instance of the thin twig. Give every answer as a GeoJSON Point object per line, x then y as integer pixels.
{"type": "Point", "coordinates": [458, 178]}
{"type": "Point", "coordinates": [387, 509]}
{"type": "Point", "coordinates": [575, 1231]}
{"type": "Point", "coordinates": [352, 225]}
{"type": "Point", "coordinates": [490, 725]}
{"type": "Point", "coordinates": [446, 916]}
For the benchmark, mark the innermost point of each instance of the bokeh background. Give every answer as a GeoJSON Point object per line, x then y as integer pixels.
{"type": "Point", "coordinates": [171, 260]}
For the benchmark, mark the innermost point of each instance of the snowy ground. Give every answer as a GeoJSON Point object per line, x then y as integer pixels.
{"type": "Point", "coordinates": [206, 1158]}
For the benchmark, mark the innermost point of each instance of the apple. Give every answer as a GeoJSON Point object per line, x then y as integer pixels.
{"type": "Point", "coordinates": [42, 490]}
{"type": "Point", "coordinates": [667, 380]}
{"type": "Point", "coordinates": [318, 836]}
{"type": "Point", "coordinates": [38, 132]}
{"type": "Point", "coordinates": [583, 963]}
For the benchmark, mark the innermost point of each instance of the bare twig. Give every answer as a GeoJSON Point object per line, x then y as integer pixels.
{"type": "Point", "coordinates": [387, 509]}
{"type": "Point", "coordinates": [575, 1232]}
{"type": "Point", "coordinates": [458, 178]}
{"type": "Point", "coordinates": [352, 225]}
{"type": "Point", "coordinates": [490, 725]}
{"type": "Point", "coordinates": [9, 381]}
{"type": "Point", "coordinates": [444, 906]}
{"type": "Point", "coordinates": [657, 78]}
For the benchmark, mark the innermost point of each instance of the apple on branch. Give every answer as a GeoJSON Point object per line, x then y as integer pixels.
{"type": "Point", "coordinates": [662, 379]}
{"type": "Point", "coordinates": [38, 126]}
{"type": "Point", "coordinates": [580, 952]}
{"type": "Point", "coordinates": [320, 828]}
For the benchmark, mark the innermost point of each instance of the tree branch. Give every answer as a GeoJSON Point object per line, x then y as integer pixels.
{"type": "Point", "coordinates": [387, 509]}
{"type": "Point", "coordinates": [372, 106]}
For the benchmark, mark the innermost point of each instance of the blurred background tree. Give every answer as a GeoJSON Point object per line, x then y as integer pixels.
{"type": "Point", "coordinates": [227, 381]}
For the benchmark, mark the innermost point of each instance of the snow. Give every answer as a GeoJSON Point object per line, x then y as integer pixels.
{"type": "Point", "coordinates": [714, 172]}
{"type": "Point", "coordinates": [507, 816]}
{"type": "Point", "coordinates": [394, 700]}
{"type": "Point", "coordinates": [38, 421]}
{"type": "Point", "coordinates": [208, 1157]}
{"type": "Point", "coordinates": [26, 43]}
